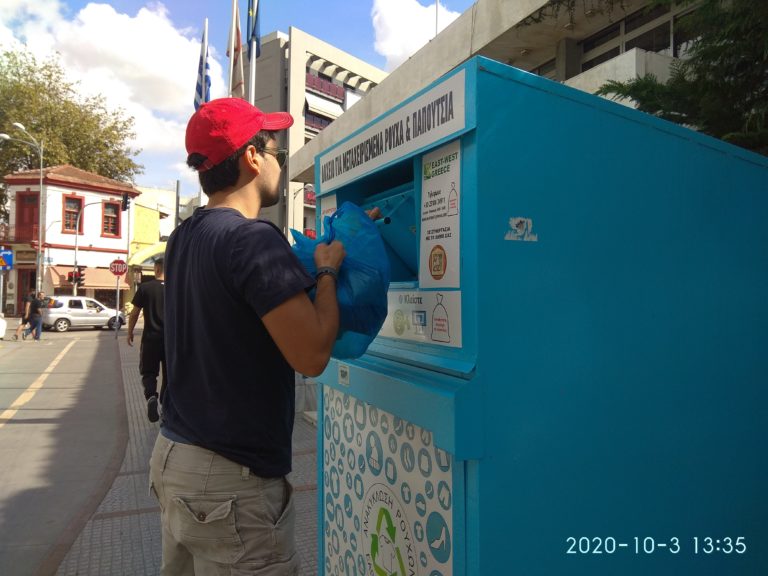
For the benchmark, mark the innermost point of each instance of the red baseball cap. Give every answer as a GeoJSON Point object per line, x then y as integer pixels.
{"type": "Point", "coordinates": [220, 127]}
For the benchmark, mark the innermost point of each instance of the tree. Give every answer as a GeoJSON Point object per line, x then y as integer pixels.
{"type": "Point", "coordinates": [75, 130]}
{"type": "Point", "coordinates": [721, 86]}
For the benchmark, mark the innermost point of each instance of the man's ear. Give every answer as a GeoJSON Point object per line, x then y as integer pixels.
{"type": "Point", "coordinates": [251, 160]}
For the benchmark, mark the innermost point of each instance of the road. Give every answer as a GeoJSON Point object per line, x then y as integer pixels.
{"type": "Point", "coordinates": [62, 437]}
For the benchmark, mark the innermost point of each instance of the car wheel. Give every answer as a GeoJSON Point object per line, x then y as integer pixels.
{"type": "Point", "coordinates": [61, 325]}
{"type": "Point", "coordinates": [111, 324]}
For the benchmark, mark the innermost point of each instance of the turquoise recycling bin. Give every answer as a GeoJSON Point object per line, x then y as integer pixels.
{"type": "Point", "coordinates": [573, 375]}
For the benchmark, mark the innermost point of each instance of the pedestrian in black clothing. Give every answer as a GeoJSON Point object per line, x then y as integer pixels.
{"type": "Point", "coordinates": [150, 297]}
{"type": "Point", "coordinates": [35, 316]}
{"type": "Point", "coordinates": [25, 302]}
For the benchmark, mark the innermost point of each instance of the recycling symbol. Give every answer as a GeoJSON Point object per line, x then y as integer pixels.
{"type": "Point", "coordinates": [385, 554]}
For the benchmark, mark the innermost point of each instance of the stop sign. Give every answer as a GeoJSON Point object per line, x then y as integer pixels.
{"type": "Point", "coordinates": [118, 267]}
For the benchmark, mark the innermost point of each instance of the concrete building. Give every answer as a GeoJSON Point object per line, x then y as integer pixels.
{"type": "Point", "coordinates": [582, 47]}
{"type": "Point", "coordinates": [91, 241]}
{"type": "Point", "coordinates": [316, 83]}
{"type": "Point", "coordinates": [152, 219]}
{"type": "Point", "coordinates": [161, 202]}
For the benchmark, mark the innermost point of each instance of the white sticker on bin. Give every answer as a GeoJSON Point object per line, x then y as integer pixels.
{"type": "Point", "coordinates": [343, 374]}
{"type": "Point", "coordinates": [432, 317]}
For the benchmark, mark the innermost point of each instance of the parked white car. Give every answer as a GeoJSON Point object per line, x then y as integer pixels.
{"type": "Point", "coordinates": [66, 311]}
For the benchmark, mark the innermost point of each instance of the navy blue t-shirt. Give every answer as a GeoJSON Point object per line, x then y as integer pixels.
{"type": "Point", "coordinates": [229, 388]}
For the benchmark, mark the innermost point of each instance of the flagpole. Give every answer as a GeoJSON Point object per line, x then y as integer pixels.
{"type": "Point", "coordinates": [205, 36]}
{"type": "Point", "coordinates": [232, 47]}
{"type": "Point", "coordinates": [252, 54]}
{"type": "Point", "coordinates": [202, 89]}
{"type": "Point", "coordinates": [205, 62]}
{"type": "Point", "coordinates": [252, 75]}
{"type": "Point", "coordinates": [203, 99]}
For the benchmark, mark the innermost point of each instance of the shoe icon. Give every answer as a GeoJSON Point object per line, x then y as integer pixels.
{"type": "Point", "coordinates": [439, 542]}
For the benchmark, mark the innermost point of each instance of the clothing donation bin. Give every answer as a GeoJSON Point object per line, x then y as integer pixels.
{"type": "Point", "coordinates": [573, 375]}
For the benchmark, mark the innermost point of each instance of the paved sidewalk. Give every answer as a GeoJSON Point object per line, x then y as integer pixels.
{"type": "Point", "coordinates": [123, 535]}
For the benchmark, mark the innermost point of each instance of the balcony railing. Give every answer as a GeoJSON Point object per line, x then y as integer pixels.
{"type": "Point", "coordinates": [11, 233]}
{"type": "Point", "coordinates": [324, 87]}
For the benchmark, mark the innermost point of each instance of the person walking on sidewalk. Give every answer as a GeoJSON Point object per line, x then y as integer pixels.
{"type": "Point", "coordinates": [35, 316]}
{"type": "Point", "coordinates": [25, 303]}
{"type": "Point", "coordinates": [238, 324]}
{"type": "Point", "coordinates": [150, 297]}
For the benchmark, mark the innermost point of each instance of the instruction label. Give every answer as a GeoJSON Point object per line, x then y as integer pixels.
{"type": "Point", "coordinates": [440, 241]}
{"type": "Point", "coordinates": [433, 317]}
{"type": "Point", "coordinates": [436, 114]}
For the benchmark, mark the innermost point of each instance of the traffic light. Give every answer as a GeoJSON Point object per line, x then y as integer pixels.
{"type": "Point", "coordinates": [80, 278]}
{"type": "Point", "coordinates": [126, 201]}
{"type": "Point", "coordinates": [70, 277]}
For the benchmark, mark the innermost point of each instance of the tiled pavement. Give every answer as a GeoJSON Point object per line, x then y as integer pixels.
{"type": "Point", "coordinates": [123, 535]}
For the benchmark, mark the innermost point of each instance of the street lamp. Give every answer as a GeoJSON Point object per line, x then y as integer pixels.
{"type": "Point", "coordinates": [307, 188]}
{"type": "Point", "coordinates": [38, 146]}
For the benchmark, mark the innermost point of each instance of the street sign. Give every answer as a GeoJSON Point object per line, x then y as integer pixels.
{"type": "Point", "coordinates": [118, 267]}
{"type": "Point", "coordinates": [6, 259]}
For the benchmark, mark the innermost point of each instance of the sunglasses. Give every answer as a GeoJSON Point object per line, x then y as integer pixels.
{"type": "Point", "coordinates": [280, 154]}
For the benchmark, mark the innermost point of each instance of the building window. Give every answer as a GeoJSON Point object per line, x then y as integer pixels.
{"type": "Point", "coordinates": [110, 219]}
{"type": "Point", "coordinates": [73, 205]}
{"type": "Point", "coordinates": [547, 70]}
{"type": "Point", "coordinates": [656, 40]}
{"type": "Point", "coordinates": [650, 29]}
{"type": "Point", "coordinates": [315, 121]}
{"type": "Point", "coordinates": [604, 57]}
{"type": "Point", "coordinates": [643, 17]}
{"type": "Point", "coordinates": [602, 37]}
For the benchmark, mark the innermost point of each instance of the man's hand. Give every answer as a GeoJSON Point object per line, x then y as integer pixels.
{"type": "Point", "coordinates": [374, 213]}
{"type": "Point", "coordinates": [330, 255]}
{"type": "Point", "coordinates": [132, 319]}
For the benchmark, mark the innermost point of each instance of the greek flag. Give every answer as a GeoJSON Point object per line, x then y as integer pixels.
{"type": "Point", "coordinates": [203, 89]}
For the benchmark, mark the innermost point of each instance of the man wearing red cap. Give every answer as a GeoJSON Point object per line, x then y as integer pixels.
{"type": "Point", "coordinates": [238, 323]}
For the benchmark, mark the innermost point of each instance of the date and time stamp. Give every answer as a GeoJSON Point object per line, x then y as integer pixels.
{"type": "Point", "coordinates": [647, 545]}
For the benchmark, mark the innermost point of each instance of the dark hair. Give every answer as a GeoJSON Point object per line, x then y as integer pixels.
{"type": "Point", "coordinates": [226, 173]}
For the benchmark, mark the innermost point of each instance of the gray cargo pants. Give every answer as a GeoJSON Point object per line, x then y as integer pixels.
{"type": "Point", "coordinates": [218, 518]}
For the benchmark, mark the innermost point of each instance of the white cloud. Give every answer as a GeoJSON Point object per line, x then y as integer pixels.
{"type": "Point", "coordinates": [11, 10]}
{"type": "Point", "coordinates": [404, 26]}
{"type": "Point", "coordinates": [7, 39]}
{"type": "Point", "coordinates": [140, 63]}
{"type": "Point", "coordinates": [187, 175]}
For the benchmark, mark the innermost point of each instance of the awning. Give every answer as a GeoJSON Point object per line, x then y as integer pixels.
{"type": "Point", "coordinates": [147, 255]}
{"type": "Point", "coordinates": [319, 105]}
{"type": "Point", "coordinates": [96, 278]}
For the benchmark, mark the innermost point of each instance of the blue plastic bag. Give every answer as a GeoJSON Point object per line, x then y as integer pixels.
{"type": "Point", "coordinates": [363, 277]}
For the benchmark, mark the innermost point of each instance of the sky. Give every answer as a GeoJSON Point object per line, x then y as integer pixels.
{"type": "Point", "coordinates": [142, 55]}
